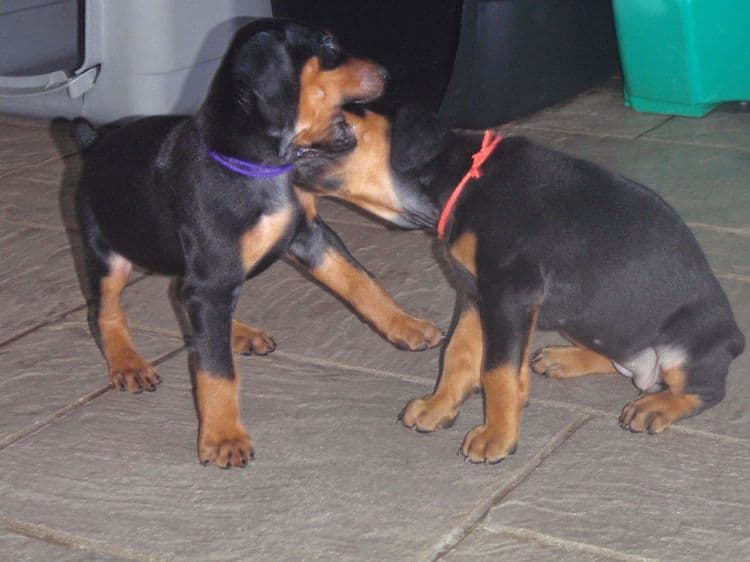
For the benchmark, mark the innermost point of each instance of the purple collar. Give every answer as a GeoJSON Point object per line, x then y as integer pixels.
{"type": "Point", "coordinates": [248, 168]}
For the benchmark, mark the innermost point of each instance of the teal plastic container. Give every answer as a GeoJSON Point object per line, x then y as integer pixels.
{"type": "Point", "coordinates": [683, 57]}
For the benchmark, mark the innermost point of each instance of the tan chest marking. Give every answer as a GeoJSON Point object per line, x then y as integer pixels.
{"type": "Point", "coordinates": [261, 239]}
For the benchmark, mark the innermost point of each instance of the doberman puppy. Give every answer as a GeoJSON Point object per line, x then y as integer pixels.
{"type": "Point", "coordinates": [208, 198]}
{"type": "Point", "coordinates": [540, 239]}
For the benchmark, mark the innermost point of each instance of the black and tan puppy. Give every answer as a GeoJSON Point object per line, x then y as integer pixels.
{"type": "Point", "coordinates": [543, 240]}
{"type": "Point", "coordinates": [208, 198]}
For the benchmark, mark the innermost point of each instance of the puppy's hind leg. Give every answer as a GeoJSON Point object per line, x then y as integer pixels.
{"type": "Point", "coordinates": [108, 320]}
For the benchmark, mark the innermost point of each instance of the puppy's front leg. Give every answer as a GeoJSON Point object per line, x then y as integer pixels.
{"type": "Point", "coordinates": [222, 439]}
{"type": "Point", "coordinates": [322, 253]}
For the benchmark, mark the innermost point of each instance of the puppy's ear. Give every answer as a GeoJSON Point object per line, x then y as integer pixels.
{"type": "Point", "coordinates": [262, 68]}
{"type": "Point", "coordinates": [417, 137]}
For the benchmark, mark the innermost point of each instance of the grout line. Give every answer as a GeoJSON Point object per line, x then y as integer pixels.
{"type": "Point", "coordinates": [39, 164]}
{"type": "Point", "coordinates": [647, 131]}
{"type": "Point", "coordinates": [734, 277]}
{"type": "Point", "coordinates": [61, 316]}
{"type": "Point", "coordinates": [41, 325]}
{"type": "Point", "coordinates": [697, 144]}
{"type": "Point", "coordinates": [723, 229]}
{"type": "Point", "coordinates": [639, 137]}
{"type": "Point", "coordinates": [577, 408]}
{"type": "Point", "coordinates": [568, 545]}
{"type": "Point", "coordinates": [71, 540]}
{"type": "Point", "coordinates": [478, 514]}
{"type": "Point", "coordinates": [37, 225]}
{"type": "Point", "coordinates": [575, 132]}
{"type": "Point", "coordinates": [39, 424]}
{"type": "Point", "coordinates": [346, 367]}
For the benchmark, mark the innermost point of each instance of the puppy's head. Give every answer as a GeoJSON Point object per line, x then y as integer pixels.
{"type": "Point", "coordinates": [390, 171]}
{"type": "Point", "coordinates": [288, 82]}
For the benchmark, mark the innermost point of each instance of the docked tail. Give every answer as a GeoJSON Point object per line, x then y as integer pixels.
{"type": "Point", "coordinates": [83, 133]}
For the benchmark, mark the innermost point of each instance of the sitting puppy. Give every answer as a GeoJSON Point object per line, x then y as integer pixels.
{"type": "Point", "coordinates": [542, 240]}
{"type": "Point", "coordinates": [208, 198]}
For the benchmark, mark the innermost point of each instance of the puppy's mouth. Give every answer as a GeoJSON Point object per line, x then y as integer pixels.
{"type": "Point", "coordinates": [340, 140]}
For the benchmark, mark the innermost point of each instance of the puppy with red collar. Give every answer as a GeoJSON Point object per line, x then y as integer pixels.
{"type": "Point", "coordinates": [538, 239]}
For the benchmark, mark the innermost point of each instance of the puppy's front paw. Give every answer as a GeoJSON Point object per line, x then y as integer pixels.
{"type": "Point", "coordinates": [414, 334]}
{"type": "Point", "coordinates": [134, 374]}
{"type": "Point", "coordinates": [428, 414]}
{"type": "Point", "coordinates": [487, 444]}
{"type": "Point", "coordinates": [247, 340]}
{"type": "Point", "coordinates": [225, 448]}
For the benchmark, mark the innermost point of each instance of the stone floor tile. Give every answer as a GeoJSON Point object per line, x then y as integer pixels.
{"type": "Point", "coordinates": [25, 147]}
{"type": "Point", "coordinates": [335, 477]}
{"type": "Point", "coordinates": [727, 125]}
{"type": "Point", "coordinates": [728, 253]}
{"type": "Point", "coordinates": [485, 545]}
{"type": "Point", "coordinates": [42, 195]}
{"type": "Point", "coordinates": [56, 365]}
{"type": "Point", "coordinates": [38, 280]}
{"type": "Point", "coordinates": [673, 496]}
{"type": "Point", "coordinates": [598, 110]}
{"type": "Point", "coordinates": [19, 548]}
{"type": "Point", "coordinates": [704, 184]}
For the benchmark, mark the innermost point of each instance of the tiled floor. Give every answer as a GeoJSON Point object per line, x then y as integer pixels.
{"type": "Point", "coordinates": [87, 473]}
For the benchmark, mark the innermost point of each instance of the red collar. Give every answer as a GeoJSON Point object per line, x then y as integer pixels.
{"type": "Point", "coordinates": [489, 143]}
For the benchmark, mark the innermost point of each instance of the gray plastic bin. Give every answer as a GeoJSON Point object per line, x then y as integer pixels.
{"type": "Point", "coordinates": [109, 59]}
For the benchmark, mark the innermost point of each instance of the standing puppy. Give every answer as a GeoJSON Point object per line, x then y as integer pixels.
{"type": "Point", "coordinates": [540, 239]}
{"type": "Point", "coordinates": [208, 198]}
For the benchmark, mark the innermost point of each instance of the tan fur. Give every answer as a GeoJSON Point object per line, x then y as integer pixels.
{"type": "Point", "coordinates": [222, 439]}
{"type": "Point", "coordinates": [127, 368]}
{"type": "Point", "coordinates": [374, 304]}
{"type": "Point", "coordinates": [260, 239]}
{"type": "Point", "coordinates": [497, 437]}
{"type": "Point", "coordinates": [463, 363]}
{"type": "Point", "coordinates": [653, 413]}
{"type": "Point", "coordinates": [366, 180]}
{"type": "Point", "coordinates": [323, 92]}
{"type": "Point", "coordinates": [464, 251]}
{"type": "Point", "coordinates": [570, 361]}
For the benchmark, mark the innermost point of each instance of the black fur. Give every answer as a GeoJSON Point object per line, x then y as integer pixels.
{"type": "Point", "coordinates": [595, 256]}
{"type": "Point", "coordinates": [150, 192]}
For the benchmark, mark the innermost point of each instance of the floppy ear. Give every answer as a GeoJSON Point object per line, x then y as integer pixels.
{"type": "Point", "coordinates": [262, 69]}
{"type": "Point", "coordinates": [417, 137]}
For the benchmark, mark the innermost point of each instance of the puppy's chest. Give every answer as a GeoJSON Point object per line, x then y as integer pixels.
{"type": "Point", "coordinates": [267, 238]}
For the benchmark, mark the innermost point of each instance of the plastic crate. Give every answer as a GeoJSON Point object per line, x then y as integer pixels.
{"type": "Point", "coordinates": [683, 57]}
{"type": "Point", "coordinates": [109, 59]}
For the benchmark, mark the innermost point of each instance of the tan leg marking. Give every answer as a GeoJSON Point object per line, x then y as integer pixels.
{"type": "Point", "coordinates": [222, 439]}
{"type": "Point", "coordinates": [496, 439]}
{"type": "Point", "coordinates": [462, 365]}
{"type": "Point", "coordinates": [247, 340]}
{"type": "Point", "coordinates": [323, 92]}
{"type": "Point", "coordinates": [374, 304]}
{"type": "Point", "coordinates": [464, 251]}
{"type": "Point", "coordinates": [128, 370]}
{"type": "Point", "coordinates": [523, 372]}
{"type": "Point", "coordinates": [569, 361]}
{"type": "Point", "coordinates": [260, 239]}
{"type": "Point", "coordinates": [653, 413]}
